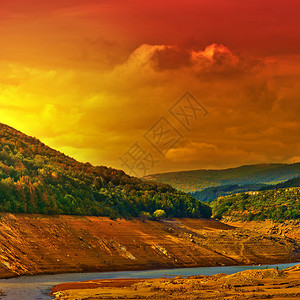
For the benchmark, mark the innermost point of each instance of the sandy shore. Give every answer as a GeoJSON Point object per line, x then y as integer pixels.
{"type": "Point", "coordinates": [251, 284]}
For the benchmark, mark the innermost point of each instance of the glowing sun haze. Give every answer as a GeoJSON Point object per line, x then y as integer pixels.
{"type": "Point", "coordinates": [89, 78]}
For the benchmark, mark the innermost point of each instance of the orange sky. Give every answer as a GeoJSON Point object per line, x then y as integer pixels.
{"type": "Point", "coordinates": [90, 78]}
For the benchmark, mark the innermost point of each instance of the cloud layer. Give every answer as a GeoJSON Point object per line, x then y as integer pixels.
{"type": "Point", "coordinates": [91, 78]}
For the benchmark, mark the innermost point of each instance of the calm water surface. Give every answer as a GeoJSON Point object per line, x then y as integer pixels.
{"type": "Point", "coordinates": [38, 287]}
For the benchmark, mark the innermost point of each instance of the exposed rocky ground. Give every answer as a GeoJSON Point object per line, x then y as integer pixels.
{"type": "Point", "coordinates": [36, 244]}
{"type": "Point", "coordinates": [251, 284]}
{"type": "Point", "coordinates": [289, 228]}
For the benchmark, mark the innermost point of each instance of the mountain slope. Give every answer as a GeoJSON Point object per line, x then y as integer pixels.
{"type": "Point", "coordinates": [39, 244]}
{"type": "Point", "coordinates": [212, 193]}
{"type": "Point", "coordinates": [277, 205]}
{"type": "Point", "coordinates": [197, 180]}
{"type": "Point", "coordinates": [37, 179]}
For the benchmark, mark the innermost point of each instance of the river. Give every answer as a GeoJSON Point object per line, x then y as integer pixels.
{"type": "Point", "coordinates": [38, 287]}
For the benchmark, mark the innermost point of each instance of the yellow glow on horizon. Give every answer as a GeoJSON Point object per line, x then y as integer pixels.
{"type": "Point", "coordinates": [90, 78]}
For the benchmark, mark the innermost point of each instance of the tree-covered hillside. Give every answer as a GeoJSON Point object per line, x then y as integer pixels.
{"type": "Point", "coordinates": [198, 180]}
{"type": "Point", "coordinates": [212, 193]}
{"type": "Point", "coordinates": [37, 179]}
{"type": "Point", "coordinates": [277, 205]}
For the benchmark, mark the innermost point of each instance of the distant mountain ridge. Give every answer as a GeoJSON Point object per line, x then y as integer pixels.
{"type": "Point", "coordinates": [37, 179]}
{"type": "Point", "coordinates": [212, 193]}
{"type": "Point", "coordinates": [198, 180]}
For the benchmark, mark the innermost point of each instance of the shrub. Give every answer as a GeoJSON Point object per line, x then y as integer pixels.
{"type": "Point", "coordinates": [159, 214]}
{"type": "Point", "coordinates": [145, 215]}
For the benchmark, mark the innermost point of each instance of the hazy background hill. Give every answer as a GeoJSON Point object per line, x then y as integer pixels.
{"type": "Point", "coordinates": [209, 194]}
{"type": "Point", "coordinates": [198, 180]}
{"type": "Point", "coordinates": [37, 179]}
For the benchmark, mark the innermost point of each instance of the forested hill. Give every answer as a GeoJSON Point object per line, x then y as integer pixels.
{"type": "Point", "coordinates": [276, 204]}
{"type": "Point", "coordinates": [212, 193]}
{"type": "Point", "coordinates": [198, 180]}
{"type": "Point", "coordinates": [37, 179]}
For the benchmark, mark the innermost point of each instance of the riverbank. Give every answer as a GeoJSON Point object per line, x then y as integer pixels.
{"type": "Point", "coordinates": [39, 286]}
{"type": "Point", "coordinates": [250, 284]}
{"type": "Point", "coordinates": [38, 244]}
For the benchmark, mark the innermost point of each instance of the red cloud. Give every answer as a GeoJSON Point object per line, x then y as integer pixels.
{"type": "Point", "coordinates": [213, 60]}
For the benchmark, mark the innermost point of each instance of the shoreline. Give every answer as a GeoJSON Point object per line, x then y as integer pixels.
{"type": "Point", "coordinates": [264, 283]}
{"type": "Point", "coordinates": [152, 269]}
{"type": "Point", "coordinates": [41, 245]}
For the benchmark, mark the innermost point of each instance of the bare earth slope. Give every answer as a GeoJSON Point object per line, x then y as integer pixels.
{"type": "Point", "coordinates": [287, 228]}
{"type": "Point", "coordinates": [35, 244]}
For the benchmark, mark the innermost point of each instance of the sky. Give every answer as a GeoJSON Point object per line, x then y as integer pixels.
{"type": "Point", "coordinates": [154, 86]}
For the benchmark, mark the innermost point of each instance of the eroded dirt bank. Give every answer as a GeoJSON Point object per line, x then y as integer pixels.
{"type": "Point", "coordinates": [35, 244]}
{"type": "Point", "coordinates": [288, 228]}
{"type": "Point", "coordinates": [251, 284]}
